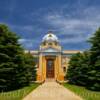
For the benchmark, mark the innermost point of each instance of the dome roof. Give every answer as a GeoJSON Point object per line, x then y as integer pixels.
{"type": "Point", "coordinates": [50, 37]}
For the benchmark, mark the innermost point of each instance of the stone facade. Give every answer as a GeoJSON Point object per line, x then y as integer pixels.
{"type": "Point", "coordinates": [52, 61]}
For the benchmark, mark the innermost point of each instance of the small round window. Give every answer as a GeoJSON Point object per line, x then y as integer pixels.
{"type": "Point", "coordinates": [50, 44]}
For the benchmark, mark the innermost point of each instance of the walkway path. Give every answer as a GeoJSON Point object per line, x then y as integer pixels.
{"type": "Point", "coordinates": [51, 91]}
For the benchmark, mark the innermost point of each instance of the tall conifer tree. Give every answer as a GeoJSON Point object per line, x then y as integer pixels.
{"type": "Point", "coordinates": [16, 67]}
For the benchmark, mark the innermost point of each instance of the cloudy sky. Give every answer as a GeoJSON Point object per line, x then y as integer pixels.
{"type": "Point", "coordinates": [73, 21]}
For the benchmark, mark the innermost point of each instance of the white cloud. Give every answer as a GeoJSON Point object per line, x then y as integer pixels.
{"type": "Point", "coordinates": [82, 27]}
{"type": "Point", "coordinates": [71, 25]}
{"type": "Point", "coordinates": [27, 43]}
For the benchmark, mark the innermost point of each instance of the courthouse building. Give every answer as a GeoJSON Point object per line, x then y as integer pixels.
{"type": "Point", "coordinates": [52, 60]}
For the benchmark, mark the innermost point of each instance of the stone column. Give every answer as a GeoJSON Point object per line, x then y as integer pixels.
{"type": "Point", "coordinates": [61, 74]}
{"type": "Point", "coordinates": [56, 68]}
{"type": "Point", "coordinates": [39, 72]}
{"type": "Point", "coordinates": [44, 68]}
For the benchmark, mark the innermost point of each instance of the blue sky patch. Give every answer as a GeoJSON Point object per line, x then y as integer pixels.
{"type": "Point", "coordinates": [73, 21]}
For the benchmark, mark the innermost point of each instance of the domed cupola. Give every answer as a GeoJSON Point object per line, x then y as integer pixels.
{"type": "Point", "coordinates": [50, 41]}
{"type": "Point", "coordinates": [50, 37]}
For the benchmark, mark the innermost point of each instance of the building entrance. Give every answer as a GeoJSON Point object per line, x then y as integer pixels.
{"type": "Point", "coordinates": [50, 68]}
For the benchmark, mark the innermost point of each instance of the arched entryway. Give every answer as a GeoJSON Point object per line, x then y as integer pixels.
{"type": "Point", "coordinates": [50, 68]}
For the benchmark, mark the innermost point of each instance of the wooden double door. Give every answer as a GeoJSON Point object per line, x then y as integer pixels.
{"type": "Point", "coordinates": [50, 68]}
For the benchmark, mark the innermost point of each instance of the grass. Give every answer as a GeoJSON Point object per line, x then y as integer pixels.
{"type": "Point", "coordinates": [18, 94]}
{"type": "Point", "coordinates": [83, 92]}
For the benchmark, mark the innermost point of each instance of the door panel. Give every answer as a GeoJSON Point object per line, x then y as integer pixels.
{"type": "Point", "coordinates": [50, 68]}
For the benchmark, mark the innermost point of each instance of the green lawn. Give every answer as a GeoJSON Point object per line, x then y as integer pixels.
{"type": "Point", "coordinates": [83, 92]}
{"type": "Point", "coordinates": [18, 94]}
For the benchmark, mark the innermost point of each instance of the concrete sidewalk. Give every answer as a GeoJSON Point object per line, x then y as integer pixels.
{"type": "Point", "coordinates": [51, 91]}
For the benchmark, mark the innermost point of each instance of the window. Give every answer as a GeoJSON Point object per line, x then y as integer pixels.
{"type": "Point", "coordinates": [50, 44]}
{"type": "Point", "coordinates": [56, 43]}
{"type": "Point", "coordinates": [64, 69]}
{"type": "Point", "coordinates": [50, 35]}
{"type": "Point", "coordinates": [44, 43]}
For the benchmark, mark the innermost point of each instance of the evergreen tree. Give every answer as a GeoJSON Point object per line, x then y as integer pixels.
{"type": "Point", "coordinates": [31, 64]}
{"type": "Point", "coordinates": [78, 67]}
{"type": "Point", "coordinates": [84, 68]}
{"type": "Point", "coordinates": [15, 66]}
{"type": "Point", "coordinates": [94, 73]}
